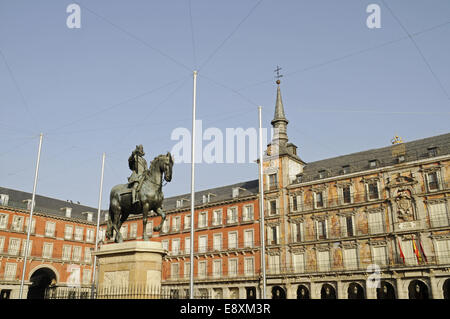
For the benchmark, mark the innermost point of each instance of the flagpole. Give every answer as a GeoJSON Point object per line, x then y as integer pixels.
{"type": "Point", "coordinates": [30, 221]}
{"type": "Point", "coordinates": [191, 282]}
{"type": "Point", "coordinates": [261, 209]}
{"type": "Point", "coordinates": [94, 278]}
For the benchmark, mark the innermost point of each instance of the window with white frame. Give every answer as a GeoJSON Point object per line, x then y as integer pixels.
{"type": "Point", "coordinates": [79, 233]}
{"type": "Point", "coordinates": [50, 229]}
{"type": "Point", "coordinates": [30, 246]}
{"type": "Point", "coordinates": [3, 221]}
{"type": "Point", "coordinates": [323, 260]}
{"type": "Point", "coordinates": [408, 252]}
{"type": "Point", "coordinates": [379, 256]}
{"type": "Point", "coordinates": [47, 250]}
{"type": "Point", "coordinates": [217, 242]}
{"type": "Point", "coordinates": [14, 246]}
{"type": "Point", "coordinates": [176, 223]}
{"type": "Point", "coordinates": [217, 217]}
{"type": "Point", "coordinates": [438, 214]}
{"type": "Point", "coordinates": [175, 270]}
{"type": "Point", "coordinates": [2, 243]}
{"type": "Point", "coordinates": [249, 266]}
{"type": "Point", "coordinates": [347, 226]}
{"type": "Point", "coordinates": [76, 255]}
{"type": "Point", "coordinates": [350, 258]}
{"type": "Point", "coordinates": [217, 268]}
{"type": "Point", "coordinates": [133, 230]}
{"type": "Point", "coordinates": [345, 194]}
{"type": "Point", "coordinates": [232, 240]}
{"type": "Point", "coordinates": [203, 219]}
{"type": "Point", "coordinates": [66, 252]}
{"type": "Point", "coordinates": [232, 267]}
{"type": "Point", "coordinates": [4, 199]}
{"type": "Point", "coordinates": [235, 192]}
{"type": "Point", "coordinates": [273, 235]}
{"type": "Point", "coordinates": [17, 223]}
{"type": "Point", "coordinates": [274, 264]}
{"type": "Point", "coordinates": [372, 190]}
{"type": "Point", "coordinates": [86, 276]}
{"type": "Point", "coordinates": [10, 271]}
{"type": "Point", "coordinates": [322, 229]}
{"type": "Point", "coordinates": [202, 269]}
{"type": "Point", "coordinates": [165, 226]}
{"type": "Point", "coordinates": [273, 207]}
{"type": "Point", "coordinates": [165, 244]}
{"type": "Point", "coordinates": [433, 181]}
{"type": "Point", "coordinates": [175, 246]}
{"type": "Point", "coordinates": [87, 255]}
{"type": "Point", "coordinates": [187, 245]}
{"type": "Point", "coordinates": [187, 269]}
{"type": "Point", "coordinates": [443, 251]}
{"type": "Point", "coordinates": [124, 231]}
{"type": "Point", "coordinates": [319, 201]}
{"type": "Point", "coordinates": [273, 181]}
{"type": "Point", "coordinates": [187, 221]}
{"type": "Point", "coordinates": [202, 243]}
{"type": "Point", "coordinates": [376, 222]}
{"type": "Point", "coordinates": [247, 212]}
{"type": "Point", "coordinates": [297, 232]}
{"type": "Point", "coordinates": [298, 260]}
{"type": "Point", "coordinates": [248, 238]}
{"type": "Point", "coordinates": [90, 234]}
{"type": "Point", "coordinates": [149, 228]}
{"type": "Point", "coordinates": [68, 232]}
{"type": "Point", "coordinates": [232, 215]}
{"type": "Point", "coordinates": [296, 202]}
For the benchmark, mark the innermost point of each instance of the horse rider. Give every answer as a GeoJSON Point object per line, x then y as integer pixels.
{"type": "Point", "coordinates": [138, 165]}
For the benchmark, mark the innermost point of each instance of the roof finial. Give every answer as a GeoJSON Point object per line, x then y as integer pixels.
{"type": "Point", "coordinates": [278, 76]}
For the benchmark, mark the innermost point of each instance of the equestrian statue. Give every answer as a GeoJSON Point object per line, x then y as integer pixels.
{"type": "Point", "coordinates": [141, 195]}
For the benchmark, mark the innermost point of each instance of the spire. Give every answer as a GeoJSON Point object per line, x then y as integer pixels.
{"type": "Point", "coordinates": [279, 121]}
{"type": "Point", "coordinates": [279, 109]}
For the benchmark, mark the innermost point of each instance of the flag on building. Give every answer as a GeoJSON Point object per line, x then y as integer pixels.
{"type": "Point", "coordinates": [416, 250]}
{"type": "Point", "coordinates": [423, 251]}
{"type": "Point", "coordinates": [401, 252]}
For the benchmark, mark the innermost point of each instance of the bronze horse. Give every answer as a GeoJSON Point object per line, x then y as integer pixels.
{"type": "Point", "coordinates": [150, 197]}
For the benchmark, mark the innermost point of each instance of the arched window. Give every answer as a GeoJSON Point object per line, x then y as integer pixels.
{"type": "Point", "coordinates": [418, 290]}
{"type": "Point", "coordinates": [302, 292]}
{"type": "Point", "coordinates": [328, 292]}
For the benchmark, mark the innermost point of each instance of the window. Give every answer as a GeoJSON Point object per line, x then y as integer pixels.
{"type": "Point", "coordinates": [86, 276]}
{"type": "Point", "coordinates": [17, 223]}
{"type": "Point", "coordinates": [408, 252]}
{"type": "Point", "coordinates": [433, 181]}
{"type": "Point", "coordinates": [376, 223]}
{"type": "Point", "coordinates": [322, 174]}
{"type": "Point", "coordinates": [232, 240]}
{"type": "Point", "coordinates": [87, 255]}
{"type": "Point", "coordinates": [165, 244]}
{"type": "Point", "coordinates": [187, 221]}
{"type": "Point", "coordinates": [202, 269]}
{"type": "Point", "coordinates": [232, 216]}
{"type": "Point", "coordinates": [443, 251]}
{"type": "Point", "coordinates": [274, 264]}
{"type": "Point", "coordinates": [272, 235]}
{"type": "Point", "coordinates": [33, 225]}
{"type": "Point", "coordinates": [346, 194]}
{"type": "Point", "coordinates": [318, 199]}
{"type": "Point", "coordinates": [273, 181]}
{"type": "Point", "coordinates": [232, 267]}
{"type": "Point", "coordinates": [203, 219]}
{"type": "Point", "coordinates": [217, 268]}
{"type": "Point", "coordinates": [379, 256]}
{"type": "Point", "coordinates": [235, 192]}
{"type": "Point", "coordinates": [79, 232]}
{"type": "Point", "coordinates": [50, 229]}
{"type": "Point", "coordinates": [297, 232]}
{"type": "Point", "coordinates": [432, 152]}
{"type": "Point", "coordinates": [249, 266]}
{"type": "Point", "coordinates": [298, 261]}
{"type": "Point", "coordinates": [187, 269]}
{"type": "Point", "coordinates": [346, 169]}
{"type": "Point", "coordinates": [176, 246]}
{"type": "Point", "coordinates": [202, 243]}
{"type": "Point", "coordinates": [30, 246]}
{"type": "Point", "coordinates": [273, 210]}
{"type": "Point", "coordinates": [149, 228]}
{"type": "Point", "coordinates": [3, 221]}
{"type": "Point", "coordinates": [247, 213]}
{"type": "Point", "coordinates": [324, 261]}
{"type": "Point", "coordinates": [372, 189]}
{"type": "Point", "coordinates": [438, 214]}
{"type": "Point", "coordinates": [66, 253]}
{"type": "Point", "coordinates": [47, 250]}
{"type": "Point", "coordinates": [175, 271]}
{"type": "Point", "coordinates": [133, 231]}
{"type": "Point", "coordinates": [10, 271]}
{"type": "Point", "coordinates": [165, 226]}
{"type": "Point", "coordinates": [2, 243]}
{"type": "Point", "coordinates": [373, 163]}
{"type": "Point", "coordinates": [322, 229]}
{"type": "Point", "coordinates": [14, 246]}
{"type": "Point", "coordinates": [401, 158]}
{"type": "Point", "coordinates": [350, 259]}
{"type": "Point", "coordinates": [76, 253]}
{"type": "Point", "coordinates": [217, 242]}
{"type": "Point", "coordinates": [248, 238]}
{"type": "Point", "coordinates": [176, 223]}
{"type": "Point", "coordinates": [299, 178]}
{"type": "Point", "coordinates": [217, 217]}
{"type": "Point", "coordinates": [187, 245]}
{"type": "Point", "coordinates": [68, 232]}
{"type": "Point", "coordinates": [4, 199]}
{"type": "Point", "coordinates": [90, 234]}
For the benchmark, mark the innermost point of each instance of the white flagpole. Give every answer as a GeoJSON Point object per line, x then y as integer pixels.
{"type": "Point", "coordinates": [261, 209]}
{"type": "Point", "coordinates": [30, 221]}
{"type": "Point", "coordinates": [94, 278]}
{"type": "Point", "coordinates": [191, 284]}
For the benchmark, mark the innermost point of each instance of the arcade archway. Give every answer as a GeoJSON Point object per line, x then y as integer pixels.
{"type": "Point", "coordinates": [41, 280]}
{"type": "Point", "coordinates": [418, 290]}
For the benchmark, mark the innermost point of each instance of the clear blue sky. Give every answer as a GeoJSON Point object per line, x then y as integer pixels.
{"type": "Point", "coordinates": [125, 78]}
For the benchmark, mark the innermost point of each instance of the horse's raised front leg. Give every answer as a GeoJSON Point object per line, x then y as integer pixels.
{"type": "Point", "coordinates": [161, 213]}
{"type": "Point", "coordinates": [145, 210]}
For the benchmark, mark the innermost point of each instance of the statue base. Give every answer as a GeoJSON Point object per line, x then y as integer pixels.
{"type": "Point", "coordinates": [130, 270]}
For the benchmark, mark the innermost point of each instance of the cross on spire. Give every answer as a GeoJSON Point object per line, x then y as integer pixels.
{"type": "Point", "coordinates": [278, 76]}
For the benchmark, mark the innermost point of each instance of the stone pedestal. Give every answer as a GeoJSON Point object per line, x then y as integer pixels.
{"type": "Point", "coordinates": [129, 269]}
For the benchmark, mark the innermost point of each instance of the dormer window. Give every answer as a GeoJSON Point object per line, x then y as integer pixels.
{"type": "Point", "coordinates": [373, 163]}
{"type": "Point", "coordinates": [401, 159]}
{"type": "Point", "coordinates": [28, 203]}
{"type": "Point", "coordinates": [322, 174]}
{"type": "Point", "coordinates": [180, 202]}
{"type": "Point", "coordinates": [346, 169]}
{"type": "Point", "coordinates": [4, 199]}
{"type": "Point", "coordinates": [67, 211]}
{"type": "Point", "coordinates": [89, 216]}
{"type": "Point", "coordinates": [235, 192]}
{"type": "Point", "coordinates": [432, 151]}
{"type": "Point", "coordinates": [300, 178]}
